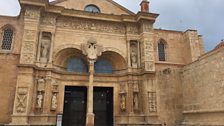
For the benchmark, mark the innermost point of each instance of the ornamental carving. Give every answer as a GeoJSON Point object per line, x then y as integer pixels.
{"type": "Point", "coordinates": [40, 93]}
{"type": "Point", "coordinates": [152, 101]}
{"type": "Point", "coordinates": [134, 54]}
{"type": "Point", "coordinates": [21, 100]}
{"type": "Point", "coordinates": [29, 35]}
{"type": "Point", "coordinates": [122, 97]}
{"type": "Point", "coordinates": [132, 29]}
{"type": "Point", "coordinates": [90, 25]}
{"type": "Point", "coordinates": [92, 49]}
{"type": "Point", "coordinates": [48, 19]}
{"type": "Point", "coordinates": [32, 13]}
{"type": "Point", "coordinates": [27, 58]}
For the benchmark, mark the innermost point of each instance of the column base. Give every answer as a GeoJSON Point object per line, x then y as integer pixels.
{"type": "Point", "coordinates": [90, 119]}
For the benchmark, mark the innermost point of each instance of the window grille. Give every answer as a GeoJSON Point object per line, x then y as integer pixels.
{"type": "Point", "coordinates": [161, 51]}
{"type": "Point", "coordinates": [7, 39]}
{"type": "Point", "coordinates": [103, 66]}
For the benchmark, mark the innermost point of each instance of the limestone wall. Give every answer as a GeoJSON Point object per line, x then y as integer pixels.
{"type": "Point", "coordinates": [203, 90]}
{"type": "Point", "coordinates": [8, 68]}
{"type": "Point", "coordinates": [169, 96]}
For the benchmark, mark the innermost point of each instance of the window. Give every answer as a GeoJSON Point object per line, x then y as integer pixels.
{"type": "Point", "coordinates": [103, 66]}
{"type": "Point", "coordinates": [7, 39]}
{"type": "Point", "coordinates": [161, 51]}
{"type": "Point", "coordinates": [77, 64]}
{"type": "Point", "coordinates": [92, 8]}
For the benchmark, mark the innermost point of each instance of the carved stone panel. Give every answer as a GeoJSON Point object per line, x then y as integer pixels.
{"type": "Point", "coordinates": [48, 19]}
{"type": "Point", "coordinates": [21, 99]}
{"type": "Point", "coordinates": [148, 56]}
{"type": "Point", "coordinates": [123, 97]}
{"type": "Point", "coordinates": [152, 101]}
{"type": "Point", "coordinates": [32, 13]}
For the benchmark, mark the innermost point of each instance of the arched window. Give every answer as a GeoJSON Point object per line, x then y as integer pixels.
{"type": "Point", "coordinates": [92, 8]}
{"type": "Point", "coordinates": [77, 64]}
{"type": "Point", "coordinates": [103, 66]}
{"type": "Point", "coordinates": [161, 51]}
{"type": "Point", "coordinates": [7, 39]}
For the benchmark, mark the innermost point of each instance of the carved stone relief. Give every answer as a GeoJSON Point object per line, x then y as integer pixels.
{"type": "Point", "coordinates": [29, 35]}
{"type": "Point", "coordinates": [48, 19]}
{"type": "Point", "coordinates": [135, 96]}
{"type": "Point", "coordinates": [54, 102]}
{"type": "Point", "coordinates": [152, 101]}
{"type": "Point", "coordinates": [148, 56]}
{"type": "Point", "coordinates": [132, 29]}
{"type": "Point", "coordinates": [21, 99]}
{"type": "Point", "coordinates": [40, 93]}
{"type": "Point", "coordinates": [92, 49]}
{"type": "Point", "coordinates": [90, 25]}
{"type": "Point", "coordinates": [122, 97]}
{"type": "Point", "coordinates": [32, 13]}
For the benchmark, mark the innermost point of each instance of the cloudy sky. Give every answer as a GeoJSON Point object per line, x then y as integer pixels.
{"type": "Point", "coordinates": [206, 16]}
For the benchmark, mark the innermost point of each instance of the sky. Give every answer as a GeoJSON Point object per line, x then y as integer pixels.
{"type": "Point", "coordinates": [206, 16]}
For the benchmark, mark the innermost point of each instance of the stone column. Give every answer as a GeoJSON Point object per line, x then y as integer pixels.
{"type": "Point", "coordinates": [92, 50]}
{"type": "Point", "coordinates": [90, 114]}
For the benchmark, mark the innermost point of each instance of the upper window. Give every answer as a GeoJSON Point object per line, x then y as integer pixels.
{"type": "Point", "coordinates": [103, 66]}
{"type": "Point", "coordinates": [77, 64]}
{"type": "Point", "coordinates": [7, 39]}
{"type": "Point", "coordinates": [92, 8]}
{"type": "Point", "coordinates": [161, 51]}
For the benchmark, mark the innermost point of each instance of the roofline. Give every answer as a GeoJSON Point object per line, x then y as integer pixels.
{"type": "Point", "coordinates": [111, 1]}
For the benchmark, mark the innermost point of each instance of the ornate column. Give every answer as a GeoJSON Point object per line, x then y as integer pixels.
{"type": "Point", "coordinates": [92, 50]}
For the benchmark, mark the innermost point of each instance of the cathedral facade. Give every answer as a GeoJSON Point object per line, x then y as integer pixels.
{"type": "Point", "coordinates": [95, 63]}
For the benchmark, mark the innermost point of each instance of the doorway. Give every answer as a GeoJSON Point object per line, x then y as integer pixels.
{"type": "Point", "coordinates": [103, 106]}
{"type": "Point", "coordinates": [75, 101]}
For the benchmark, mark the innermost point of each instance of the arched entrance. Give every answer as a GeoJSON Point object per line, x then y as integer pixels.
{"type": "Point", "coordinates": [72, 62]}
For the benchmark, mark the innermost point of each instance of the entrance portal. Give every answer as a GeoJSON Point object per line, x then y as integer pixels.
{"type": "Point", "coordinates": [74, 106]}
{"type": "Point", "coordinates": [103, 106]}
{"type": "Point", "coordinates": [75, 102]}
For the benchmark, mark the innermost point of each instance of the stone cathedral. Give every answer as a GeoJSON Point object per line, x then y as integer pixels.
{"type": "Point", "coordinates": [96, 63]}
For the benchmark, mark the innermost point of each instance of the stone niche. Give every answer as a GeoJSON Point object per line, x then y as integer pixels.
{"type": "Point", "coordinates": [44, 47]}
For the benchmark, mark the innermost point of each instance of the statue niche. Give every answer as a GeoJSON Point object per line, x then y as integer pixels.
{"type": "Point", "coordinates": [45, 44]}
{"type": "Point", "coordinates": [134, 54]}
{"type": "Point", "coordinates": [40, 93]}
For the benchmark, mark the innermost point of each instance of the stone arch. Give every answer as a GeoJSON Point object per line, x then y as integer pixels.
{"type": "Point", "coordinates": [115, 50]}
{"type": "Point", "coordinates": [64, 53]}
{"type": "Point", "coordinates": [118, 61]}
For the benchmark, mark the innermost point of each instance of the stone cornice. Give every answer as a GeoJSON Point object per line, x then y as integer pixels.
{"type": "Point", "coordinates": [82, 14]}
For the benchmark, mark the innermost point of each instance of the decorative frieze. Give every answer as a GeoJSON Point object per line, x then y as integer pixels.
{"type": "Point", "coordinates": [91, 25]}
{"type": "Point", "coordinates": [21, 99]}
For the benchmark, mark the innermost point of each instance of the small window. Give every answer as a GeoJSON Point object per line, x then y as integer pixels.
{"type": "Point", "coordinates": [92, 8]}
{"type": "Point", "coordinates": [77, 64]}
{"type": "Point", "coordinates": [7, 39]}
{"type": "Point", "coordinates": [161, 51]}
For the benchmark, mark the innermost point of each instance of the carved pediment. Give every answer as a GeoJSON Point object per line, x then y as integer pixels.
{"type": "Point", "coordinates": [105, 6]}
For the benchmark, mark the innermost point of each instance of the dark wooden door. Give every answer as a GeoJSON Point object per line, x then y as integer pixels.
{"type": "Point", "coordinates": [75, 101]}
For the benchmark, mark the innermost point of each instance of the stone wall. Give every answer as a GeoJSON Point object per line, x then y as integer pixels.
{"type": "Point", "coordinates": [8, 68]}
{"type": "Point", "coordinates": [203, 90]}
{"type": "Point", "coordinates": [169, 96]}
